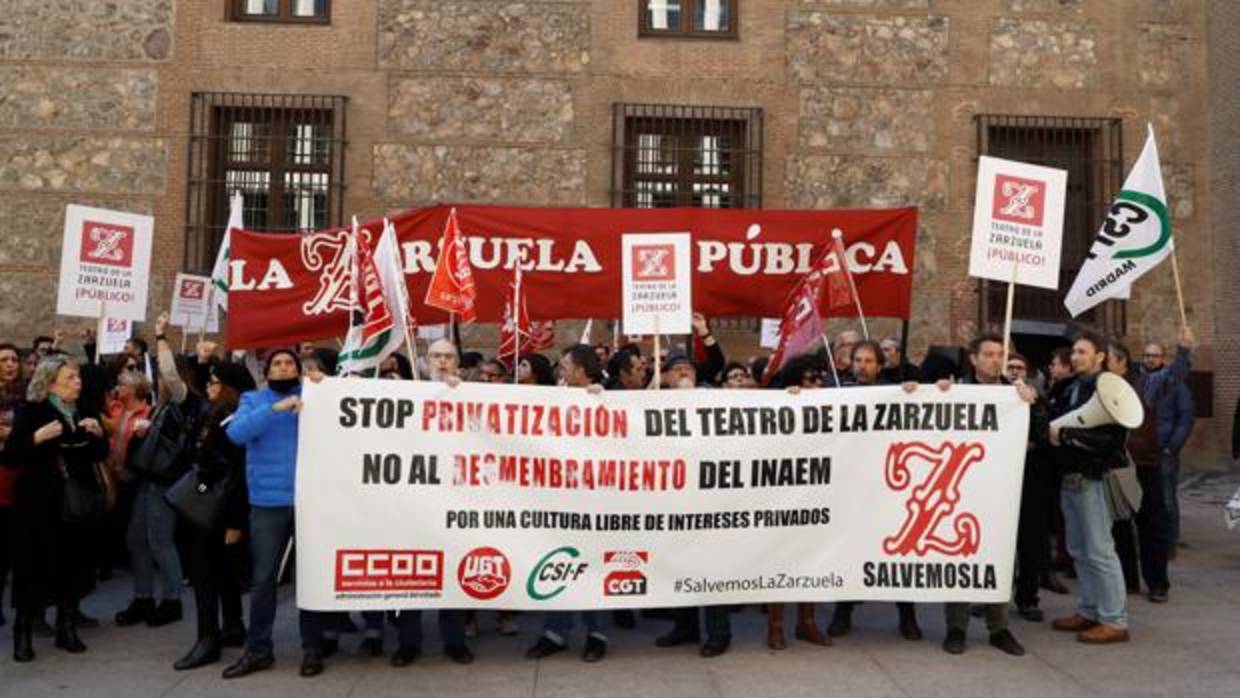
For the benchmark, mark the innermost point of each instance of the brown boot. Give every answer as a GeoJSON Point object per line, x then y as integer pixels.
{"type": "Point", "coordinates": [775, 626]}
{"type": "Point", "coordinates": [1102, 634]}
{"type": "Point", "coordinates": [1074, 623]}
{"type": "Point", "coordinates": [807, 629]}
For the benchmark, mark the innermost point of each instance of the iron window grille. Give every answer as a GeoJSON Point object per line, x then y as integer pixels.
{"type": "Point", "coordinates": [1091, 150]}
{"type": "Point", "coordinates": [284, 153]}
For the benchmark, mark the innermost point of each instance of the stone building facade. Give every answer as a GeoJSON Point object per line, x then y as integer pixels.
{"type": "Point", "coordinates": [864, 103]}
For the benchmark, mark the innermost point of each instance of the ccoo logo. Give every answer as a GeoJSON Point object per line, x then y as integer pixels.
{"type": "Point", "coordinates": [484, 573]}
{"type": "Point", "coordinates": [931, 504]}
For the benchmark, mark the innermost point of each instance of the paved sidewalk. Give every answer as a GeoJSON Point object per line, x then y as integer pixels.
{"type": "Point", "coordinates": [1188, 647]}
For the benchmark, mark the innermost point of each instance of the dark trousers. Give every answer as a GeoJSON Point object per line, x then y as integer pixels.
{"type": "Point", "coordinates": [1153, 531]}
{"type": "Point", "coordinates": [718, 621]}
{"type": "Point", "coordinates": [1125, 535]}
{"type": "Point", "coordinates": [1033, 554]}
{"type": "Point", "coordinates": [270, 531]}
{"type": "Point", "coordinates": [6, 552]}
{"type": "Point", "coordinates": [409, 627]}
{"type": "Point", "coordinates": [214, 571]}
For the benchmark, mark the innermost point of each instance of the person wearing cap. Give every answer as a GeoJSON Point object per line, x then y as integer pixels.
{"type": "Point", "coordinates": [212, 552]}
{"type": "Point", "coordinates": [678, 370]}
{"type": "Point", "coordinates": [265, 423]}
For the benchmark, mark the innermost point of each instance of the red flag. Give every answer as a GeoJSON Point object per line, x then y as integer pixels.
{"type": "Point", "coordinates": [803, 323]}
{"type": "Point", "coordinates": [452, 286]}
{"type": "Point", "coordinates": [837, 297]}
{"type": "Point", "coordinates": [542, 335]}
{"type": "Point", "coordinates": [515, 331]}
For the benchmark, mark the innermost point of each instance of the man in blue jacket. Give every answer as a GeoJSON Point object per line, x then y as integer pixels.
{"type": "Point", "coordinates": [266, 424]}
{"type": "Point", "coordinates": [1164, 387]}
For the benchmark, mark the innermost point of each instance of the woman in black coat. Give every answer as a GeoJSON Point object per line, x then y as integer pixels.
{"type": "Point", "coordinates": [52, 442]}
{"type": "Point", "coordinates": [213, 553]}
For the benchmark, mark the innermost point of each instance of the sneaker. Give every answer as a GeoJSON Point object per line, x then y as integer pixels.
{"type": "Point", "coordinates": [168, 611]}
{"type": "Point", "coordinates": [1006, 643]}
{"type": "Point", "coordinates": [954, 642]}
{"type": "Point", "coordinates": [545, 647]}
{"type": "Point", "coordinates": [596, 649]}
{"type": "Point", "coordinates": [139, 611]}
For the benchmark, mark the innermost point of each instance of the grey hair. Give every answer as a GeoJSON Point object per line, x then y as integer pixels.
{"type": "Point", "coordinates": [45, 374]}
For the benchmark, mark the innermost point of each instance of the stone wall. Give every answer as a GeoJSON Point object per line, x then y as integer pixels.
{"type": "Point", "coordinates": [87, 30]}
{"type": "Point", "coordinates": [75, 98]}
{"type": "Point", "coordinates": [414, 173]}
{"type": "Point", "coordinates": [827, 48]}
{"type": "Point", "coordinates": [481, 110]}
{"type": "Point", "coordinates": [83, 163]}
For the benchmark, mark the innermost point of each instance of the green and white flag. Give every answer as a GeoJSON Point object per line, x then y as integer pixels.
{"type": "Point", "coordinates": [219, 273]}
{"type": "Point", "coordinates": [375, 330]}
{"type": "Point", "coordinates": [1134, 238]}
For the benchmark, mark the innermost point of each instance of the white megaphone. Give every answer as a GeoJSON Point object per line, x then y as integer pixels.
{"type": "Point", "coordinates": [1114, 402]}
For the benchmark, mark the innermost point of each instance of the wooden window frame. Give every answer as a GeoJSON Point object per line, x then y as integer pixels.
{"type": "Point", "coordinates": [688, 10]}
{"type": "Point", "coordinates": [236, 13]}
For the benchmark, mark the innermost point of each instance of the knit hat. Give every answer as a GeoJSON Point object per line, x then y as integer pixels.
{"type": "Point", "coordinates": [276, 352]}
{"type": "Point", "coordinates": [235, 376]}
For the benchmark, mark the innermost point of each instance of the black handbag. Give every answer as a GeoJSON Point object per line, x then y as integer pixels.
{"type": "Point", "coordinates": [159, 454]}
{"type": "Point", "coordinates": [201, 503]}
{"type": "Point", "coordinates": [84, 500]}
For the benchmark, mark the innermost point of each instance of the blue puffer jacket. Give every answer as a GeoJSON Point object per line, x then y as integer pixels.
{"type": "Point", "coordinates": [270, 441]}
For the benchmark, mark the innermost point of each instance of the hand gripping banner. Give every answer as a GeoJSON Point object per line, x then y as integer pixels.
{"type": "Point", "coordinates": [418, 495]}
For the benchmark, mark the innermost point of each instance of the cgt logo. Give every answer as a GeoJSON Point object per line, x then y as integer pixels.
{"type": "Point", "coordinates": [934, 499]}
{"type": "Point", "coordinates": [105, 243]}
{"type": "Point", "coordinates": [654, 262]}
{"type": "Point", "coordinates": [484, 573]}
{"type": "Point", "coordinates": [389, 570]}
{"type": "Point", "coordinates": [554, 572]}
{"type": "Point", "coordinates": [1018, 200]}
{"type": "Point", "coordinates": [628, 579]}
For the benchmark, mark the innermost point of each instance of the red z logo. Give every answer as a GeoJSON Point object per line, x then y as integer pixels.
{"type": "Point", "coordinates": [934, 499]}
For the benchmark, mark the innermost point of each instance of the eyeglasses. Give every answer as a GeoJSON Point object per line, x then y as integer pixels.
{"type": "Point", "coordinates": [1153, 356]}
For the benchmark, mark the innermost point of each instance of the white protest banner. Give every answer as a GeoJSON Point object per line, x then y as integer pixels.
{"type": "Point", "coordinates": [105, 258]}
{"type": "Point", "coordinates": [522, 497]}
{"type": "Point", "coordinates": [431, 333]}
{"type": "Point", "coordinates": [1018, 222]}
{"type": "Point", "coordinates": [112, 335]}
{"type": "Point", "coordinates": [657, 297]}
{"type": "Point", "coordinates": [190, 298]}
{"type": "Point", "coordinates": [770, 333]}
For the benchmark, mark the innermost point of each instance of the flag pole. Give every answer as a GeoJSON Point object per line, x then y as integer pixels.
{"type": "Point", "coordinates": [852, 285]}
{"type": "Point", "coordinates": [403, 291]}
{"type": "Point", "coordinates": [100, 329]}
{"type": "Point", "coordinates": [1179, 289]}
{"type": "Point", "coordinates": [826, 343]}
{"type": "Point", "coordinates": [516, 323]}
{"type": "Point", "coordinates": [1007, 315]}
{"type": "Point", "coordinates": [185, 332]}
{"type": "Point", "coordinates": [658, 362]}
{"type": "Point", "coordinates": [202, 331]}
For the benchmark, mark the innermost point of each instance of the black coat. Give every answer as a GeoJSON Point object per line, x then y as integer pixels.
{"type": "Point", "coordinates": [217, 457]}
{"type": "Point", "coordinates": [52, 560]}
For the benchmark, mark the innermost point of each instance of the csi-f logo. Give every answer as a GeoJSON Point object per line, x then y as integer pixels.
{"type": "Point", "coordinates": [107, 243]}
{"type": "Point", "coordinates": [654, 262]}
{"type": "Point", "coordinates": [389, 570]}
{"type": "Point", "coordinates": [626, 577]}
{"type": "Point", "coordinates": [1019, 200]}
{"type": "Point", "coordinates": [933, 500]}
{"type": "Point", "coordinates": [484, 573]}
{"type": "Point", "coordinates": [193, 289]}
{"type": "Point", "coordinates": [554, 572]}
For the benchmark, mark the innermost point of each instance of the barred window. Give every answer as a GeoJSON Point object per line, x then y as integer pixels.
{"type": "Point", "coordinates": [292, 11]}
{"type": "Point", "coordinates": [710, 157]}
{"type": "Point", "coordinates": [1091, 150]}
{"type": "Point", "coordinates": [284, 153]}
{"type": "Point", "coordinates": [697, 19]}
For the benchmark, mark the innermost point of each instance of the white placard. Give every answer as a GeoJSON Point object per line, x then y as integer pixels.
{"type": "Point", "coordinates": [539, 498]}
{"type": "Point", "coordinates": [105, 258]}
{"type": "Point", "coordinates": [1018, 222]}
{"type": "Point", "coordinates": [113, 333]}
{"type": "Point", "coordinates": [770, 333]}
{"type": "Point", "coordinates": [190, 294]}
{"type": "Point", "coordinates": [657, 283]}
{"type": "Point", "coordinates": [432, 333]}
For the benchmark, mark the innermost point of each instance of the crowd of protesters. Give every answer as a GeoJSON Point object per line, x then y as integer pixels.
{"type": "Point", "coordinates": [183, 464]}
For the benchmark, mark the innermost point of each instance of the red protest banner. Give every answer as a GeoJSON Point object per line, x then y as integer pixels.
{"type": "Point", "coordinates": [290, 288]}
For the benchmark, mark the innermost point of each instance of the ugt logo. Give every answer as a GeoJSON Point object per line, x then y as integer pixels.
{"type": "Point", "coordinates": [107, 243]}
{"type": "Point", "coordinates": [933, 499]}
{"type": "Point", "coordinates": [654, 262]}
{"type": "Point", "coordinates": [1019, 200]}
